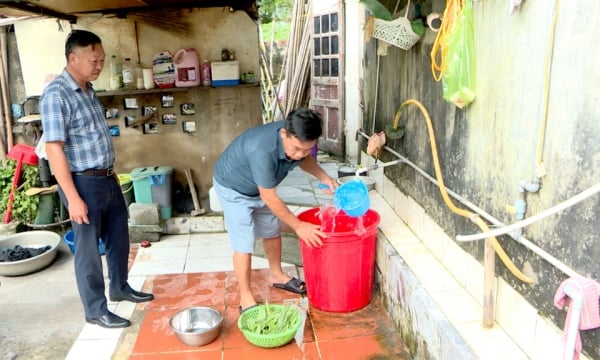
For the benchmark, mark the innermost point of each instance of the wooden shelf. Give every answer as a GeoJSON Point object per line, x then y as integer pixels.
{"type": "Point", "coordinates": [167, 90]}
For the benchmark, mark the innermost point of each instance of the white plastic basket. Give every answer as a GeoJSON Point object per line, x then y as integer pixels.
{"type": "Point", "coordinates": [397, 32]}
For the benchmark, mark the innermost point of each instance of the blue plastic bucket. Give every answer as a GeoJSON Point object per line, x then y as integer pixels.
{"type": "Point", "coordinates": [352, 197]}
{"type": "Point", "coordinates": [70, 241]}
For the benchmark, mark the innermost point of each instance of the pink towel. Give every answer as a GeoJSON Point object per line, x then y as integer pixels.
{"type": "Point", "coordinates": [590, 313]}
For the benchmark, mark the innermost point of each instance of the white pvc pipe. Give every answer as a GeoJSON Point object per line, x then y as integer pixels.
{"type": "Point", "coordinates": [574, 315]}
{"type": "Point", "coordinates": [544, 255]}
{"type": "Point", "coordinates": [532, 219]}
{"type": "Point", "coordinates": [454, 195]}
{"type": "Point", "coordinates": [377, 166]}
{"type": "Point", "coordinates": [520, 239]}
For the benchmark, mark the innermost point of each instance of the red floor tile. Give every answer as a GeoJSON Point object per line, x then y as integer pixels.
{"type": "Point", "coordinates": [155, 334]}
{"type": "Point", "coordinates": [367, 333]}
{"type": "Point", "coordinates": [180, 291]}
{"type": "Point", "coordinates": [188, 355]}
{"type": "Point", "coordinates": [261, 288]}
{"type": "Point", "coordinates": [363, 322]}
{"type": "Point", "coordinates": [363, 348]}
{"type": "Point", "coordinates": [289, 351]}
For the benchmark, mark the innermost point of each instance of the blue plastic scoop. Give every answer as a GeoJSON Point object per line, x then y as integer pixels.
{"type": "Point", "coordinates": [352, 197]}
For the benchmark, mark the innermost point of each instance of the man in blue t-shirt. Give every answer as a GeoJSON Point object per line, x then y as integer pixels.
{"type": "Point", "coordinates": [245, 179]}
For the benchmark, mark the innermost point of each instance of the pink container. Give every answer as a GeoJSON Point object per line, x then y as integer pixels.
{"type": "Point", "coordinates": [187, 68]}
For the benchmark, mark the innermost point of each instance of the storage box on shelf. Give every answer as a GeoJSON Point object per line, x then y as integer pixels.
{"type": "Point", "coordinates": [225, 73]}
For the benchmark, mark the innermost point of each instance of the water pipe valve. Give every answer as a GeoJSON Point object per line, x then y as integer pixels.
{"type": "Point", "coordinates": [520, 207]}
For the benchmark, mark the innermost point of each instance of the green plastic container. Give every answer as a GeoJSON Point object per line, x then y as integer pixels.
{"type": "Point", "coordinates": [127, 188]}
{"type": "Point", "coordinates": [154, 185]}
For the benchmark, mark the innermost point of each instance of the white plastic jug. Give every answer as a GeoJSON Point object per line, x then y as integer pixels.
{"type": "Point", "coordinates": [187, 68]}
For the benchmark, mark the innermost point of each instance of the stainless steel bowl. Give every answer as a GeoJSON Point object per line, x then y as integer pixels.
{"type": "Point", "coordinates": [29, 239]}
{"type": "Point", "coordinates": [197, 326]}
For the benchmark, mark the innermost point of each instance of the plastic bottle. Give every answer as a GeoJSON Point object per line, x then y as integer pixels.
{"type": "Point", "coordinates": [128, 75]}
{"type": "Point", "coordinates": [115, 77]}
{"type": "Point", "coordinates": [187, 69]}
{"type": "Point", "coordinates": [139, 76]}
{"type": "Point", "coordinates": [206, 81]}
{"type": "Point", "coordinates": [163, 70]}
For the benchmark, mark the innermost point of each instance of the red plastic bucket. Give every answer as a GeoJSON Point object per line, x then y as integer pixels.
{"type": "Point", "coordinates": [339, 275]}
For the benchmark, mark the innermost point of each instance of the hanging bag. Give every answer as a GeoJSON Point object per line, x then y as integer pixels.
{"type": "Point", "coordinates": [458, 76]}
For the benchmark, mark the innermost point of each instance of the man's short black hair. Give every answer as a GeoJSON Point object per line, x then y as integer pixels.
{"type": "Point", "coordinates": [305, 124]}
{"type": "Point", "coordinates": [79, 39]}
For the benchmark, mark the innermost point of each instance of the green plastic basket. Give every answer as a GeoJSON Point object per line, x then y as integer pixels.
{"type": "Point", "coordinates": [268, 340]}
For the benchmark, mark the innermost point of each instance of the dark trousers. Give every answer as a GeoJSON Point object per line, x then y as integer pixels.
{"type": "Point", "coordinates": [107, 214]}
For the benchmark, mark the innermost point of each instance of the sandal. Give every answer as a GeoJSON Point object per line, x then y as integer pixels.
{"type": "Point", "coordinates": [294, 285]}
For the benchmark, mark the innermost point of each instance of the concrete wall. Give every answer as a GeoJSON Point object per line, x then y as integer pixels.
{"type": "Point", "coordinates": [221, 113]}
{"type": "Point", "coordinates": [508, 135]}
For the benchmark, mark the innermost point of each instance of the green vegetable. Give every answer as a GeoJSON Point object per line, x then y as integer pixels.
{"type": "Point", "coordinates": [24, 208]}
{"type": "Point", "coordinates": [271, 320]}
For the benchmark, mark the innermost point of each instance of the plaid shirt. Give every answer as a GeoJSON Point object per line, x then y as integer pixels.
{"type": "Point", "coordinates": [77, 118]}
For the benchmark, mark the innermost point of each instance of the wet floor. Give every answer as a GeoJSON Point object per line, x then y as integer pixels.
{"type": "Point", "coordinates": [364, 334]}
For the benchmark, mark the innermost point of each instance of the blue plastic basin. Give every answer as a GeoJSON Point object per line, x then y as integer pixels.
{"type": "Point", "coordinates": [69, 239]}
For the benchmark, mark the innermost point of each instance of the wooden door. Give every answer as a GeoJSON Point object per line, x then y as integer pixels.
{"type": "Point", "coordinates": [327, 76]}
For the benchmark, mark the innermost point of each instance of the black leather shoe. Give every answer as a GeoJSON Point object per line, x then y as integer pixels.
{"type": "Point", "coordinates": [110, 321]}
{"type": "Point", "coordinates": [133, 296]}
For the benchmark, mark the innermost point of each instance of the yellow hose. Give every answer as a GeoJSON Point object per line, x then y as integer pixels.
{"type": "Point", "coordinates": [465, 213]}
{"type": "Point", "coordinates": [453, 8]}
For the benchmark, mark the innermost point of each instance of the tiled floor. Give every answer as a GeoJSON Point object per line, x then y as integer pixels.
{"type": "Point", "coordinates": [364, 334]}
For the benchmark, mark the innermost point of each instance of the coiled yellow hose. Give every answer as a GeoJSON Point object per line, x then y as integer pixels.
{"type": "Point", "coordinates": [465, 213]}
{"type": "Point", "coordinates": [453, 8]}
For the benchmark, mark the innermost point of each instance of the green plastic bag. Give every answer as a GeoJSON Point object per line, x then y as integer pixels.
{"type": "Point", "coordinates": [458, 80]}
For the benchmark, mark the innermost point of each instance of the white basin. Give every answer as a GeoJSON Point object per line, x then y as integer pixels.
{"type": "Point", "coordinates": [29, 239]}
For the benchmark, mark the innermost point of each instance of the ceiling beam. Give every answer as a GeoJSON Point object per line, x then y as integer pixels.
{"type": "Point", "coordinates": [245, 5]}
{"type": "Point", "coordinates": [37, 10]}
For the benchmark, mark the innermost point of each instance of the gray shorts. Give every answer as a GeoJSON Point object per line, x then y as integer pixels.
{"type": "Point", "coordinates": [247, 218]}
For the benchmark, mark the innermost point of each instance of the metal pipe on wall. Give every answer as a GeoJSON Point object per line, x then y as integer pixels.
{"type": "Point", "coordinates": [502, 227]}
{"type": "Point", "coordinates": [454, 195]}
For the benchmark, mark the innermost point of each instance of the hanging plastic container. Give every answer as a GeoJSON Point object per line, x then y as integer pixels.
{"type": "Point", "coordinates": [187, 68]}
{"type": "Point", "coordinates": [163, 70]}
{"type": "Point", "coordinates": [339, 274]}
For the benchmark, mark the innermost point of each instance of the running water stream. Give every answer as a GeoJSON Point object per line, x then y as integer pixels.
{"type": "Point", "coordinates": [333, 219]}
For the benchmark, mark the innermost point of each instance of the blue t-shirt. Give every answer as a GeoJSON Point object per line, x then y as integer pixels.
{"type": "Point", "coordinates": [255, 158]}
